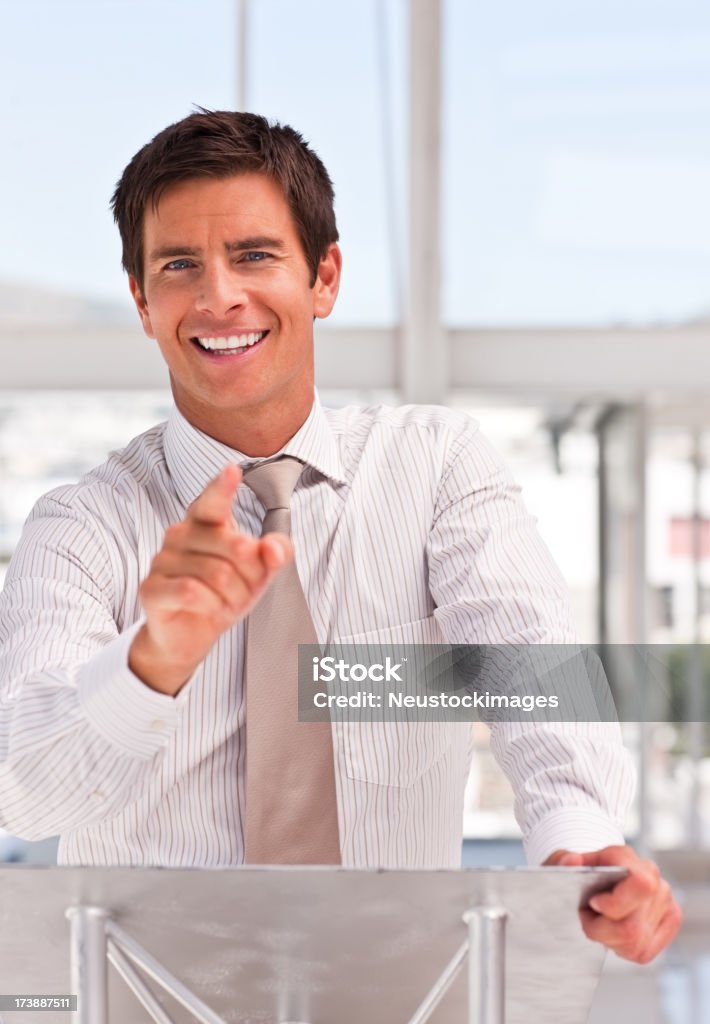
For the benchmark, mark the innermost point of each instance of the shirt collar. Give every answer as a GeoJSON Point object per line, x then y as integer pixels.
{"type": "Point", "coordinates": [194, 458]}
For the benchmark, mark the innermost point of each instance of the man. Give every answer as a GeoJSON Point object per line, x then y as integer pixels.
{"type": "Point", "coordinates": [123, 639]}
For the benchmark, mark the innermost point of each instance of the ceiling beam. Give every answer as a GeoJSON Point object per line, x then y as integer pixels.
{"type": "Point", "coordinates": [615, 364]}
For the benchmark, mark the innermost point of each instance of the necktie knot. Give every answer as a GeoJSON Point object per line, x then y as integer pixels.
{"type": "Point", "coordinates": [273, 484]}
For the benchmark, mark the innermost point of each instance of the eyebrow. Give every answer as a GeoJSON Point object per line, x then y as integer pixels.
{"type": "Point", "coordinates": [257, 242]}
{"type": "Point", "coordinates": [167, 252]}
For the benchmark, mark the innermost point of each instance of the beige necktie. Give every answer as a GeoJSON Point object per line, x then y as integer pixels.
{"type": "Point", "coordinates": [291, 810]}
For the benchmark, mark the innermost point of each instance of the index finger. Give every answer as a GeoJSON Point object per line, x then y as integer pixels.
{"type": "Point", "coordinates": [214, 506]}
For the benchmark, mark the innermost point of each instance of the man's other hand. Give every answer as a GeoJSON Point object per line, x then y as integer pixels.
{"type": "Point", "coordinates": [638, 918]}
{"type": "Point", "coordinates": [206, 577]}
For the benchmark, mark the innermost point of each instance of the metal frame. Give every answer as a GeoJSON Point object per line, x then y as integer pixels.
{"type": "Point", "coordinates": [97, 940]}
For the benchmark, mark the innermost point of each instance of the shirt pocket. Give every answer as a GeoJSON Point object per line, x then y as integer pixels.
{"type": "Point", "coordinates": [393, 753]}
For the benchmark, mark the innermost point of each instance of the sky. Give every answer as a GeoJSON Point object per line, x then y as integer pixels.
{"type": "Point", "coordinates": [576, 155]}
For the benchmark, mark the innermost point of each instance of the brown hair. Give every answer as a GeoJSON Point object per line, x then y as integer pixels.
{"type": "Point", "coordinates": [219, 144]}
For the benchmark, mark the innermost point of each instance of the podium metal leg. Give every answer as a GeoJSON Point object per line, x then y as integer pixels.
{"type": "Point", "coordinates": [89, 967]}
{"type": "Point", "coordinates": [441, 986]}
{"type": "Point", "coordinates": [155, 970]}
{"type": "Point", "coordinates": [136, 984]}
{"type": "Point", "coordinates": [486, 965]}
{"type": "Point", "coordinates": [95, 938]}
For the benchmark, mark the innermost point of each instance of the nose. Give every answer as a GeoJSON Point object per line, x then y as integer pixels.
{"type": "Point", "coordinates": [220, 290]}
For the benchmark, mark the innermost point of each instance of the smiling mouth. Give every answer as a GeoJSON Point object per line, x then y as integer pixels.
{"type": "Point", "coordinates": [229, 345]}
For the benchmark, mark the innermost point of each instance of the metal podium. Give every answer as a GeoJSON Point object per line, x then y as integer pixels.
{"type": "Point", "coordinates": [299, 945]}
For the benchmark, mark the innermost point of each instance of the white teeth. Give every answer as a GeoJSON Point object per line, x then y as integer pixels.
{"type": "Point", "coordinates": [232, 343]}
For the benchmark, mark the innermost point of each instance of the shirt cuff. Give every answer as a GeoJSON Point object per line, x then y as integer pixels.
{"type": "Point", "coordinates": [130, 715]}
{"type": "Point", "coordinates": [577, 829]}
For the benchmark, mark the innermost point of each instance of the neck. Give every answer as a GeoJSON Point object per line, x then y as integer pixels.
{"type": "Point", "coordinates": [253, 432]}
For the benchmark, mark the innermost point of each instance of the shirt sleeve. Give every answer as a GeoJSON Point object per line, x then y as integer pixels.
{"type": "Point", "coordinates": [494, 582]}
{"type": "Point", "coordinates": [79, 732]}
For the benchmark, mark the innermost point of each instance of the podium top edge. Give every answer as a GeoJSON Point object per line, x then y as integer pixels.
{"type": "Point", "coordinates": [329, 869]}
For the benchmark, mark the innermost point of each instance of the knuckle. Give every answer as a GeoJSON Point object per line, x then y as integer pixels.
{"type": "Point", "coordinates": [237, 547]}
{"type": "Point", "coordinates": [222, 577]}
{"type": "Point", "coordinates": [630, 950]}
{"type": "Point", "coordinates": [187, 589]}
{"type": "Point", "coordinates": [175, 534]}
{"type": "Point", "coordinates": [637, 951]}
{"type": "Point", "coordinates": [650, 873]}
{"type": "Point", "coordinates": [244, 597]}
{"type": "Point", "coordinates": [170, 533]}
{"type": "Point", "coordinates": [629, 933]}
{"type": "Point", "coordinates": [653, 868]}
{"type": "Point", "coordinates": [234, 611]}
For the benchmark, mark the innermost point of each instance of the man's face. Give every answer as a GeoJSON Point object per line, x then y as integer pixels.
{"type": "Point", "coordinates": [227, 296]}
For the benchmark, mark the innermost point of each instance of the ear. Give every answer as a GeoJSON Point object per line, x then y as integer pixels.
{"type": "Point", "coordinates": [141, 305]}
{"type": "Point", "coordinates": [325, 290]}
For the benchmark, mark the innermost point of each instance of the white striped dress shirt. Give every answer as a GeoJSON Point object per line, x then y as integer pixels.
{"type": "Point", "coordinates": [407, 529]}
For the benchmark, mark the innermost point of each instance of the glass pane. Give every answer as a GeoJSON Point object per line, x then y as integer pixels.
{"type": "Point", "coordinates": [341, 81]}
{"type": "Point", "coordinates": [576, 164]}
{"type": "Point", "coordinates": [120, 72]}
{"type": "Point", "coordinates": [86, 85]}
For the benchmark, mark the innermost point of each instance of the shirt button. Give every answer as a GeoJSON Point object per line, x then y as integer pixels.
{"type": "Point", "coordinates": [158, 725]}
{"type": "Point", "coordinates": [97, 795]}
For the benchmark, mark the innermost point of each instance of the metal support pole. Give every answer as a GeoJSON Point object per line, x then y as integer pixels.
{"type": "Point", "coordinates": [423, 358]}
{"type": "Point", "coordinates": [486, 965]}
{"type": "Point", "coordinates": [89, 966]}
{"type": "Point", "coordinates": [243, 85]}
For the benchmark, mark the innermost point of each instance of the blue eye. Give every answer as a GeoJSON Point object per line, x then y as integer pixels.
{"type": "Point", "coordinates": [178, 264]}
{"type": "Point", "coordinates": [255, 257]}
